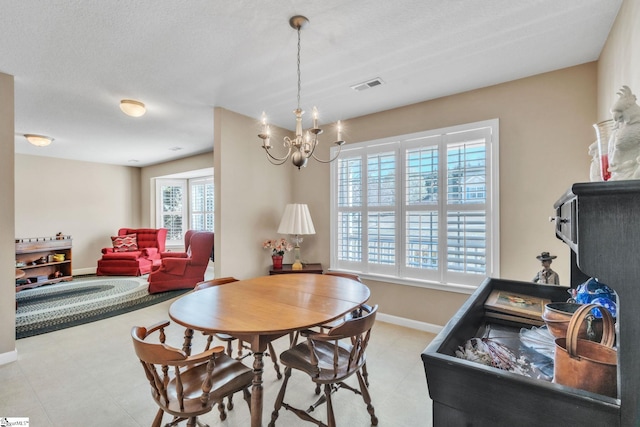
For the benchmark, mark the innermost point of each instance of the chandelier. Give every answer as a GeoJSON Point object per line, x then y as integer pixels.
{"type": "Point", "coordinates": [304, 144]}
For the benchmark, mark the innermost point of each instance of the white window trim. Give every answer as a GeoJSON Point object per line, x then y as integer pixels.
{"type": "Point", "coordinates": [492, 208]}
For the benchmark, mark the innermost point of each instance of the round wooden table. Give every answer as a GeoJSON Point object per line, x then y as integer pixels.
{"type": "Point", "coordinates": [262, 309]}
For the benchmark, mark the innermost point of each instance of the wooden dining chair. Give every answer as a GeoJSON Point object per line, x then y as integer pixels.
{"type": "Point", "coordinates": [329, 359]}
{"type": "Point", "coordinates": [187, 386]}
{"type": "Point", "coordinates": [228, 339]}
{"type": "Point", "coordinates": [355, 313]}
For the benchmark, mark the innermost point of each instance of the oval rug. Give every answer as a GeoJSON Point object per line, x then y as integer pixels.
{"type": "Point", "coordinates": [63, 305]}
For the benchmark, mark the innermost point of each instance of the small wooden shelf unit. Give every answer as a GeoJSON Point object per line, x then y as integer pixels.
{"type": "Point", "coordinates": [29, 250]}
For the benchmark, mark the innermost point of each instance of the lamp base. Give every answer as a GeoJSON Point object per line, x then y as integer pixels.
{"type": "Point", "coordinates": [296, 265]}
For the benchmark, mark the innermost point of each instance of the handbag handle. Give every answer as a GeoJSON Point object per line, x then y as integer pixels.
{"type": "Point", "coordinates": [608, 330]}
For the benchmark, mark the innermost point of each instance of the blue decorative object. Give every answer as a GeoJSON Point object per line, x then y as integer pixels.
{"type": "Point", "coordinates": [592, 291]}
{"type": "Point", "coordinates": [606, 303]}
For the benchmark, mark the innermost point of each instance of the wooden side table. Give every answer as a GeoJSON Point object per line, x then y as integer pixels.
{"type": "Point", "coordinates": [306, 268]}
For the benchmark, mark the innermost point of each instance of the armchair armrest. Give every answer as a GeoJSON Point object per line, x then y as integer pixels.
{"type": "Point", "coordinates": [150, 252]}
{"type": "Point", "coordinates": [174, 255]}
{"type": "Point", "coordinates": [107, 250]}
{"type": "Point", "coordinates": [175, 266]}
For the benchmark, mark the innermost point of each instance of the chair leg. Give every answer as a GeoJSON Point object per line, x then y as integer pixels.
{"type": "Point", "coordinates": [223, 413]}
{"type": "Point", "coordinates": [230, 403]}
{"type": "Point", "coordinates": [157, 421]}
{"type": "Point", "coordinates": [331, 419]}
{"type": "Point", "coordinates": [365, 374]}
{"type": "Point", "coordinates": [274, 359]}
{"type": "Point", "coordinates": [240, 349]}
{"type": "Point", "coordinates": [230, 348]}
{"type": "Point", "coordinates": [246, 394]}
{"type": "Point", "coordinates": [280, 398]}
{"type": "Point", "coordinates": [367, 399]}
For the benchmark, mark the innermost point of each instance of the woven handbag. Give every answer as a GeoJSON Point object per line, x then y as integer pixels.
{"type": "Point", "coordinates": [585, 364]}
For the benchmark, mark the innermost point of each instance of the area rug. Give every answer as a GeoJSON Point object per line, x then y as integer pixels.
{"type": "Point", "coordinates": [63, 305]}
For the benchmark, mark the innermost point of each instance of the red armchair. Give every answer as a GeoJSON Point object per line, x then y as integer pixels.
{"type": "Point", "coordinates": [183, 270]}
{"type": "Point", "coordinates": [134, 258]}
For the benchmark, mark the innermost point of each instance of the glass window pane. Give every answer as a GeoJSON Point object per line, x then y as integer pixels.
{"type": "Point", "coordinates": [350, 182]}
{"type": "Point", "coordinates": [350, 236]}
{"type": "Point", "coordinates": [381, 179]}
{"type": "Point", "coordinates": [466, 172]}
{"type": "Point", "coordinates": [172, 198]}
{"type": "Point", "coordinates": [467, 242]}
{"type": "Point", "coordinates": [421, 176]}
{"type": "Point", "coordinates": [422, 240]}
{"type": "Point", "coordinates": [381, 235]}
{"type": "Point", "coordinates": [173, 224]}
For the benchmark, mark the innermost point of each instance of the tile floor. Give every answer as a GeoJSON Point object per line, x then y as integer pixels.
{"type": "Point", "coordinates": [89, 376]}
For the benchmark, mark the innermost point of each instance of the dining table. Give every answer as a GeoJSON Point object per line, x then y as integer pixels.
{"type": "Point", "coordinates": [262, 309]}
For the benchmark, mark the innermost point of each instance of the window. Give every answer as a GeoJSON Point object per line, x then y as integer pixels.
{"type": "Point", "coordinates": [172, 208]}
{"type": "Point", "coordinates": [420, 207]}
{"type": "Point", "coordinates": [202, 204]}
{"type": "Point", "coordinates": [179, 210]}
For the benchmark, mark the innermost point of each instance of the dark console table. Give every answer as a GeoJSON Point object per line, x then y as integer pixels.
{"type": "Point", "coordinates": [600, 222]}
{"type": "Point", "coordinates": [306, 268]}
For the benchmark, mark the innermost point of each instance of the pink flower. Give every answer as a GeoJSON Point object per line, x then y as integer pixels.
{"type": "Point", "coordinates": [278, 246]}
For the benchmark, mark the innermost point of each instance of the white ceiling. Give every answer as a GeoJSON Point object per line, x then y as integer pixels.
{"type": "Point", "coordinates": [74, 60]}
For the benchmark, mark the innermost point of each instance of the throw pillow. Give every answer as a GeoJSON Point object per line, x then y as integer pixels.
{"type": "Point", "coordinates": [126, 243]}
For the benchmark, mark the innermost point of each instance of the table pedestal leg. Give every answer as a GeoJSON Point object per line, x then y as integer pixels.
{"type": "Point", "coordinates": [256, 390]}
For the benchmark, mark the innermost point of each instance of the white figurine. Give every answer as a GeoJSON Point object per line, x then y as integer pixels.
{"type": "Point", "coordinates": [625, 159]}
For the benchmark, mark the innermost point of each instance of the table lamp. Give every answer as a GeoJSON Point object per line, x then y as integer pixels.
{"type": "Point", "coordinates": [296, 221]}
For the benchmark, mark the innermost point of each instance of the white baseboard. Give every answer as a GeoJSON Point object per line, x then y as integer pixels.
{"type": "Point", "coordinates": [8, 357]}
{"type": "Point", "coordinates": [409, 323]}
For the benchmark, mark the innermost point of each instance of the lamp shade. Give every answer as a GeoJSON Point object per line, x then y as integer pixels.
{"type": "Point", "coordinates": [296, 220]}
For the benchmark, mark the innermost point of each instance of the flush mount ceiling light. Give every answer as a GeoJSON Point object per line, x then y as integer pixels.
{"type": "Point", "coordinates": [304, 144]}
{"type": "Point", "coordinates": [38, 140]}
{"type": "Point", "coordinates": [132, 108]}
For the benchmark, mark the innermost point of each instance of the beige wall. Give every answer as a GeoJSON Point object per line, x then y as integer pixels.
{"type": "Point", "coordinates": [89, 201]}
{"type": "Point", "coordinates": [250, 196]}
{"type": "Point", "coordinates": [545, 130]}
{"type": "Point", "coordinates": [619, 62]}
{"type": "Point", "coordinates": [7, 247]}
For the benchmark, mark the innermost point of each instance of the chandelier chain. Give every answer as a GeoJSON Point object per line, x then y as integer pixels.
{"type": "Point", "coordinates": [299, 68]}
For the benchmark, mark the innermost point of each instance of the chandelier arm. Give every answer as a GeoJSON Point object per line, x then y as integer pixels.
{"type": "Point", "coordinates": [328, 161]}
{"type": "Point", "coordinates": [279, 160]}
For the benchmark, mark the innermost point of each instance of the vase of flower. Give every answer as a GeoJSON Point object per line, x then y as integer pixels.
{"type": "Point", "coordinates": [278, 248]}
{"type": "Point", "coordinates": [277, 261]}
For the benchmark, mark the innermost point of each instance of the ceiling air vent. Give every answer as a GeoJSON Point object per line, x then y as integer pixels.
{"type": "Point", "coordinates": [368, 84]}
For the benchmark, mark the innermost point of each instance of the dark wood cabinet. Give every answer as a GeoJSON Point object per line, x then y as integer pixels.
{"type": "Point", "coordinates": [44, 260]}
{"type": "Point", "coordinates": [600, 222]}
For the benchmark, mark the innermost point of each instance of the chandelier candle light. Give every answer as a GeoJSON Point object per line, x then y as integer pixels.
{"type": "Point", "coordinates": [304, 144]}
{"type": "Point", "coordinates": [296, 220]}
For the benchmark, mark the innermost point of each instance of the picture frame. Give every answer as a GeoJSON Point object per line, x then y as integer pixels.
{"type": "Point", "coordinates": [516, 304]}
